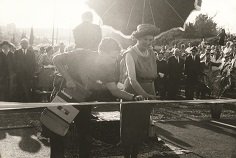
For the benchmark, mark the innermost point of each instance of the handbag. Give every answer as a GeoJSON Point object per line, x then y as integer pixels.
{"type": "Point", "coordinates": [58, 118]}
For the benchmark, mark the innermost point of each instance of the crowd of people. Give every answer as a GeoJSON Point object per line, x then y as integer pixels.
{"type": "Point", "coordinates": [200, 71]}
{"type": "Point", "coordinates": [98, 65]}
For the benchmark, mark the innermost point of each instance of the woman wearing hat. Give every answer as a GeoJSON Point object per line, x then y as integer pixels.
{"type": "Point", "coordinates": [7, 72]}
{"type": "Point", "coordinates": [142, 70]}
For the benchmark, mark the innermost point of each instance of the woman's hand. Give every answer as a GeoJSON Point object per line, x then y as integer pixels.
{"type": "Point", "coordinates": [161, 75]}
{"type": "Point", "coordinates": [138, 98]}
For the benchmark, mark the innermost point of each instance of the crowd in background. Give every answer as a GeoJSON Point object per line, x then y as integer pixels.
{"type": "Point", "coordinates": [184, 71]}
{"type": "Point", "coordinates": [25, 70]}
{"type": "Point", "coordinates": [199, 71]}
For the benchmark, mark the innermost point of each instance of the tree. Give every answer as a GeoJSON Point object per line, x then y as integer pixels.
{"type": "Point", "coordinates": [205, 26]}
{"type": "Point", "coordinates": [190, 30]}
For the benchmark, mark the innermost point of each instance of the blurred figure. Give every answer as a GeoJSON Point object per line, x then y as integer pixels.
{"type": "Point", "coordinates": [175, 74]}
{"type": "Point", "coordinates": [204, 76]}
{"type": "Point", "coordinates": [25, 70]}
{"type": "Point", "coordinates": [46, 58]}
{"type": "Point", "coordinates": [56, 48]}
{"type": "Point", "coordinates": [47, 70]}
{"type": "Point", "coordinates": [192, 72]}
{"type": "Point", "coordinates": [211, 69]}
{"type": "Point", "coordinates": [223, 81]}
{"type": "Point", "coordinates": [222, 35]}
{"type": "Point", "coordinates": [233, 74]}
{"type": "Point", "coordinates": [183, 52]}
{"type": "Point", "coordinates": [203, 42]}
{"type": "Point", "coordinates": [188, 48]}
{"type": "Point", "coordinates": [100, 80]}
{"type": "Point", "coordinates": [7, 72]}
{"type": "Point", "coordinates": [228, 47]}
{"type": "Point", "coordinates": [161, 81]}
{"type": "Point", "coordinates": [206, 51]}
{"type": "Point", "coordinates": [12, 48]}
{"type": "Point", "coordinates": [87, 35]}
{"type": "Point", "coordinates": [62, 47]}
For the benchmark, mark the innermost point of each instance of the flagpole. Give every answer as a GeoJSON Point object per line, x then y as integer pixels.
{"type": "Point", "coordinates": [57, 35]}
{"type": "Point", "coordinates": [53, 31]}
{"type": "Point", "coordinates": [53, 27]}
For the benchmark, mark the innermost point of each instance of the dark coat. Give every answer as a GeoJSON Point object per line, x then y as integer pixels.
{"type": "Point", "coordinates": [25, 69]}
{"type": "Point", "coordinates": [162, 66]}
{"type": "Point", "coordinates": [25, 64]}
{"type": "Point", "coordinates": [7, 76]}
{"type": "Point", "coordinates": [192, 68]}
{"type": "Point", "coordinates": [175, 69]}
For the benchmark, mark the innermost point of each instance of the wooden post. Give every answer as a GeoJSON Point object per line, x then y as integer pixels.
{"type": "Point", "coordinates": [216, 110]}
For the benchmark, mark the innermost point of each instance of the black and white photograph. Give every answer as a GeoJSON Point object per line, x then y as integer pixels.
{"type": "Point", "coordinates": [117, 79]}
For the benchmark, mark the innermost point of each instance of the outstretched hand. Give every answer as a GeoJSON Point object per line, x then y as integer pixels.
{"type": "Point", "coordinates": [138, 98]}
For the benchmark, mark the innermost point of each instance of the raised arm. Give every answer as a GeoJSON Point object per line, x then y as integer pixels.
{"type": "Point", "coordinates": [115, 91]}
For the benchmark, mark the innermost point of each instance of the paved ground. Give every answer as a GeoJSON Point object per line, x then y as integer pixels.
{"type": "Point", "coordinates": [21, 143]}
{"type": "Point", "coordinates": [204, 139]}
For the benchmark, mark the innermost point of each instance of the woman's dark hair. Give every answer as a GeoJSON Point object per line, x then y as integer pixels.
{"type": "Point", "coordinates": [107, 45]}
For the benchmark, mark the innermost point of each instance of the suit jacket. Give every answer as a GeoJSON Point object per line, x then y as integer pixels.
{"type": "Point", "coordinates": [25, 64]}
{"type": "Point", "coordinates": [162, 66]}
{"type": "Point", "coordinates": [7, 76]}
{"type": "Point", "coordinates": [6, 65]}
{"type": "Point", "coordinates": [175, 69]}
{"type": "Point", "coordinates": [192, 67]}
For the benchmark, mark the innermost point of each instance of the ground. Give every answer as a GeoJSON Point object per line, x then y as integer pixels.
{"type": "Point", "coordinates": [183, 133]}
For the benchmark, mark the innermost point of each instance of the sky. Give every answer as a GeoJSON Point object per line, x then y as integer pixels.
{"type": "Point", "coordinates": [222, 11]}
{"type": "Point", "coordinates": [66, 13]}
{"type": "Point", "coordinates": [42, 13]}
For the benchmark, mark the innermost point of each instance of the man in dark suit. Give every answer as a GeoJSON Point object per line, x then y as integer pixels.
{"type": "Point", "coordinates": [25, 64]}
{"type": "Point", "coordinates": [87, 35]}
{"type": "Point", "coordinates": [175, 74]}
{"type": "Point", "coordinates": [7, 72]}
{"type": "Point", "coordinates": [192, 72]}
{"type": "Point", "coordinates": [161, 81]}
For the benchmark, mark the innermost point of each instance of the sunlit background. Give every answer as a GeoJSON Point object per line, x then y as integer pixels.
{"type": "Point", "coordinates": [222, 11]}
{"type": "Point", "coordinates": [65, 14]}
{"type": "Point", "coordinates": [42, 13]}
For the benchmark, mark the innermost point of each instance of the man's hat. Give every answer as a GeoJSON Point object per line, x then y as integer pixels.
{"type": "Point", "coordinates": [144, 30]}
